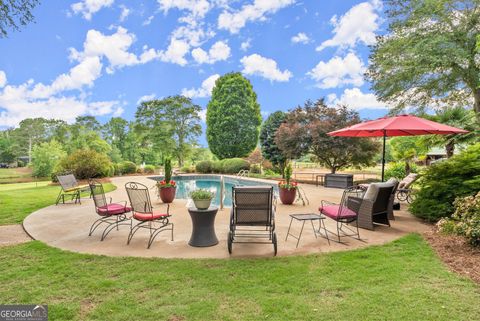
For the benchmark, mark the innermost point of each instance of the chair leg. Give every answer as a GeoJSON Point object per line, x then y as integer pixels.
{"type": "Point", "coordinates": [58, 198]}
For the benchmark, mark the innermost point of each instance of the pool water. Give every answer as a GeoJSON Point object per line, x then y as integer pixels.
{"type": "Point", "coordinates": [187, 184]}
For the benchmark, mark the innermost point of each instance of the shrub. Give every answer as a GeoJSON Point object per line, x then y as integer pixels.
{"type": "Point", "coordinates": [255, 169]}
{"type": "Point", "coordinates": [45, 158]}
{"type": "Point", "coordinates": [85, 163]}
{"type": "Point", "coordinates": [187, 169]}
{"type": "Point", "coordinates": [444, 181]}
{"type": "Point", "coordinates": [204, 167]}
{"type": "Point", "coordinates": [127, 167]}
{"type": "Point", "coordinates": [217, 166]}
{"type": "Point", "coordinates": [397, 170]}
{"type": "Point", "coordinates": [465, 220]}
{"type": "Point", "coordinates": [234, 165]}
{"type": "Point", "coordinates": [149, 169]}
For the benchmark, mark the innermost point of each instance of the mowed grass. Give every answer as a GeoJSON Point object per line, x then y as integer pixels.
{"type": "Point", "coordinates": [19, 200]}
{"type": "Point", "coordinates": [403, 280]}
{"type": "Point", "coordinates": [18, 175]}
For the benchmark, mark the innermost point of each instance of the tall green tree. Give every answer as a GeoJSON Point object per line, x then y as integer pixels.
{"type": "Point", "coordinates": [233, 117]}
{"type": "Point", "coordinates": [269, 147]}
{"type": "Point", "coordinates": [8, 147]}
{"type": "Point", "coordinates": [428, 57]}
{"type": "Point", "coordinates": [172, 124]}
{"type": "Point", "coordinates": [33, 131]}
{"type": "Point", "coordinates": [14, 14]}
{"type": "Point", "coordinates": [115, 132]}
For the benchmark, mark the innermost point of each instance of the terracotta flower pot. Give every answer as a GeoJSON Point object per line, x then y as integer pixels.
{"type": "Point", "coordinates": [167, 194]}
{"type": "Point", "coordinates": [287, 196]}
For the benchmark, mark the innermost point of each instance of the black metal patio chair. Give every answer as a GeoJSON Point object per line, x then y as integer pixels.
{"type": "Point", "coordinates": [70, 187]}
{"type": "Point", "coordinates": [156, 222]}
{"type": "Point", "coordinates": [111, 214]}
{"type": "Point", "coordinates": [252, 216]}
{"type": "Point", "coordinates": [346, 212]}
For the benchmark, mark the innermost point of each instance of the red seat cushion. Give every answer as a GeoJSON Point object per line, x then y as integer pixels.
{"type": "Point", "coordinates": [149, 216]}
{"type": "Point", "coordinates": [113, 209]}
{"type": "Point", "coordinates": [333, 211]}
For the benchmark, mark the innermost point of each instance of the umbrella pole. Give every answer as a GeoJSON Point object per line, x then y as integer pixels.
{"type": "Point", "coordinates": [383, 157]}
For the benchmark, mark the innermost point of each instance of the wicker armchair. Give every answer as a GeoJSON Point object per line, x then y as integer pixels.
{"type": "Point", "coordinates": [375, 210]}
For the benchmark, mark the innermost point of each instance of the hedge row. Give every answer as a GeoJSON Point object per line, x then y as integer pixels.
{"type": "Point", "coordinates": [225, 166]}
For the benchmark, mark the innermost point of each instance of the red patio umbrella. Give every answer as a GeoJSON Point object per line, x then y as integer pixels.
{"type": "Point", "coordinates": [402, 125]}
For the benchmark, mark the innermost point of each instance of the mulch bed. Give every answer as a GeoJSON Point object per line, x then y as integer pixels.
{"type": "Point", "coordinates": [456, 253]}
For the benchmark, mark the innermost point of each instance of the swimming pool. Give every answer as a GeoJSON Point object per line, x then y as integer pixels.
{"type": "Point", "coordinates": [186, 184]}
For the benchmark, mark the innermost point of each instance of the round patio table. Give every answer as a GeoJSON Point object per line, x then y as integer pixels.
{"type": "Point", "coordinates": [203, 227]}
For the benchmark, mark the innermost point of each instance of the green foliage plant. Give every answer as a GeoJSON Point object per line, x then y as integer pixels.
{"type": "Point", "coordinates": [233, 117]}
{"type": "Point", "coordinates": [85, 163]}
{"type": "Point", "coordinates": [442, 182]}
{"type": "Point", "coordinates": [201, 194]}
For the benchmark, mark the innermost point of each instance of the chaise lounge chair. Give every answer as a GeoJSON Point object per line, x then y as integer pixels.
{"type": "Point", "coordinates": [69, 187]}
{"type": "Point", "coordinates": [252, 216]}
{"type": "Point", "coordinates": [404, 191]}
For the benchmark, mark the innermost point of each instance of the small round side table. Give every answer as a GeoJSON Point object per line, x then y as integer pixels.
{"type": "Point", "coordinates": [203, 227]}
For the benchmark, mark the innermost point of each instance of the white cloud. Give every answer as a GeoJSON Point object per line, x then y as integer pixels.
{"type": "Point", "coordinates": [148, 21]}
{"type": "Point", "coordinates": [197, 7]}
{"type": "Point", "coordinates": [359, 24]}
{"type": "Point", "coordinates": [339, 72]}
{"type": "Point", "coordinates": [3, 79]}
{"type": "Point", "coordinates": [176, 52]}
{"type": "Point", "coordinates": [17, 107]}
{"type": "Point", "coordinates": [264, 67]}
{"type": "Point", "coordinates": [146, 98]}
{"type": "Point", "coordinates": [88, 7]}
{"type": "Point", "coordinates": [246, 44]}
{"type": "Point", "coordinates": [114, 47]}
{"type": "Point", "coordinates": [56, 100]}
{"type": "Point", "coordinates": [356, 99]}
{"type": "Point", "coordinates": [300, 38]}
{"type": "Point", "coordinates": [83, 74]}
{"type": "Point", "coordinates": [219, 51]}
{"type": "Point", "coordinates": [234, 21]}
{"type": "Point", "coordinates": [204, 91]}
{"type": "Point", "coordinates": [125, 13]}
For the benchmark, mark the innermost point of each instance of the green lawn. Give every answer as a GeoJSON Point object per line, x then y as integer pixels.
{"type": "Point", "coordinates": [403, 280]}
{"type": "Point", "coordinates": [19, 200]}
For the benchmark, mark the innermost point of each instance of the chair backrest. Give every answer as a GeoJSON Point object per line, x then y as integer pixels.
{"type": "Point", "coordinates": [139, 197]}
{"type": "Point", "coordinates": [381, 202]}
{"type": "Point", "coordinates": [351, 200]}
{"type": "Point", "coordinates": [98, 194]}
{"type": "Point", "coordinates": [67, 181]}
{"type": "Point", "coordinates": [253, 205]}
{"type": "Point", "coordinates": [408, 180]}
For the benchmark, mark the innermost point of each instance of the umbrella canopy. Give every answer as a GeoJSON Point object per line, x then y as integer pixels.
{"type": "Point", "coordinates": [402, 125]}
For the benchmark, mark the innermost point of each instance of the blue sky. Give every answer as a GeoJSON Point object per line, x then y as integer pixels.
{"type": "Point", "coordinates": [101, 57]}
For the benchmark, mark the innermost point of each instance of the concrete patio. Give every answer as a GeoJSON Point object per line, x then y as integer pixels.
{"type": "Point", "coordinates": [66, 227]}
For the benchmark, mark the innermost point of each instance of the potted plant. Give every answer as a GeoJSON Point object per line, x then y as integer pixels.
{"type": "Point", "coordinates": [287, 188]}
{"type": "Point", "coordinates": [167, 188]}
{"type": "Point", "coordinates": [202, 198]}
